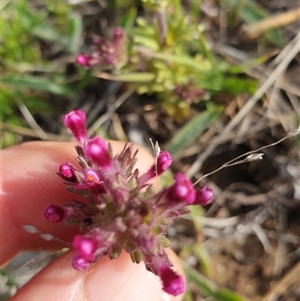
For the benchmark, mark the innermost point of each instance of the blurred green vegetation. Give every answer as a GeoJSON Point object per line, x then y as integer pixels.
{"type": "Point", "coordinates": [32, 35]}
{"type": "Point", "coordinates": [168, 57]}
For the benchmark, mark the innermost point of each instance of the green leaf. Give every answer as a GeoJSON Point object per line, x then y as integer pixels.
{"type": "Point", "coordinates": [192, 130]}
{"type": "Point", "coordinates": [188, 296]}
{"type": "Point", "coordinates": [146, 41]}
{"type": "Point", "coordinates": [243, 67]}
{"type": "Point", "coordinates": [127, 20]}
{"type": "Point", "coordinates": [48, 33]}
{"type": "Point", "coordinates": [204, 285]}
{"type": "Point", "coordinates": [235, 85]}
{"type": "Point", "coordinates": [208, 288]}
{"type": "Point", "coordinates": [203, 66]}
{"type": "Point", "coordinates": [195, 213]}
{"type": "Point", "coordinates": [226, 295]}
{"type": "Point", "coordinates": [8, 279]}
{"type": "Point", "coordinates": [38, 83]}
{"type": "Point", "coordinates": [36, 104]}
{"type": "Point", "coordinates": [203, 257]}
{"type": "Point", "coordinates": [166, 179]}
{"type": "Point", "coordinates": [75, 32]}
{"type": "Point", "coordinates": [178, 10]}
{"type": "Point", "coordinates": [135, 77]}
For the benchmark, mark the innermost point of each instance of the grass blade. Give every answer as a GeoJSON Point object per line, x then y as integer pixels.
{"type": "Point", "coordinates": [134, 77]}
{"type": "Point", "coordinates": [209, 289]}
{"type": "Point", "coordinates": [38, 83]}
{"type": "Point", "coordinates": [192, 130]}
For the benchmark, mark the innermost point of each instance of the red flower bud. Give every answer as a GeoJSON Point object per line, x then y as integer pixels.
{"type": "Point", "coordinates": [172, 283]}
{"type": "Point", "coordinates": [204, 196]}
{"type": "Point", "coordinates": [85, 247]}
{"type": "Point", "coordinates": [66, 171]}
{"type": "Point", "coordinates": [75, 121]}
{"type": "Point", "coordinates": [83, 60]}
{"type": "Point", "coordinates": [182, 190]}
{"type": "Point", "coordinates": [54, 213]}
{"type": "Point", "coordinates": [97, 150]}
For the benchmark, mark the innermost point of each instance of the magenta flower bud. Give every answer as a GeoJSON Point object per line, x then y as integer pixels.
{"type": "Point", "coordinates": [75, 121]}
{"type": "Point", "coordinates": [83, 60]}
{"type": "Point", "coordinates": [97, 150]}
{"type": "Point", "coordinates": [66, 171]}
{"type": "Point", "coordinates": [117, 35]}
{"type": "Point", "coordinates": [54, 213]}
{"type": "Point", "coordinates": [85, 247]}
{"type": "Point", "coordinates": [80, 263]}
{"type": "Point", "coordinates": [182, 190]}
{"type": "Point", "coordinates": [164, 160]}
{"type": "Point", "coordinates": [204, 196]}
{"type": "Point", "coordinates": [173, 283]}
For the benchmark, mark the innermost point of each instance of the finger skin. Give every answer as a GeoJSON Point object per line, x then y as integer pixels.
{"type": "Point", "coordinates": [111, 280]}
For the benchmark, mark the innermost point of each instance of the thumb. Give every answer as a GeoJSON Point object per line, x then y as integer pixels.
{"type": "Point", "coordinates": [107, 280]}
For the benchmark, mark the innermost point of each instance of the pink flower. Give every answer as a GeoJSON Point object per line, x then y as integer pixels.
{"type": "Point", "coordinates": [182, 190]}
{"type": "Point", "coordinates": [85, 247]}
{"type": "Point", "coordinates": [75, 121]}
{"type": "Point", "coordinates": [91, 176]}
{"type": "Point", "coordinates": [97, 150]}
{"type": "Point", "coordinates": [83, 60]}
{"type": "Point", "coordinates": [204, 196]}
{"type": "Point", "coordinates": [118, 36]}
{"type": "Point", "coordinates": [163, 162]}
{"type": "Point", "coordinates": [173, 283]}
{"type": "Point", "coordinates": [66, 172]}
{"type": "Point", "coordinates": [80, 263]}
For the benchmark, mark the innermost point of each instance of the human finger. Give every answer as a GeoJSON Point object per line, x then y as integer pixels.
{"type": "Point", "coordinates": [111, 280]}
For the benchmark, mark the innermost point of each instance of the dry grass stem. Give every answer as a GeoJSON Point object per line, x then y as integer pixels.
{"type": "Point", "coordinates": [253, 31]}
{"type": "Point", "coordinates": [31, 121]}
{"type": "Point", "coordinates": [294, 47]}
{"type": "Point", "coordinates": [29, 132]}
{"type": "Point", "coordinates": [249, 156]}
{"type": "Point", "coordinates": [110, 111]}
{"type": "Point", "coordinates": [283, 285]}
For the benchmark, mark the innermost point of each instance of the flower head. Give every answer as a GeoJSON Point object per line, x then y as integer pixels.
{"type": "Point", "coordinates": [106, 53]}
{"type": "Point", "coordinates": [122, 210]}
